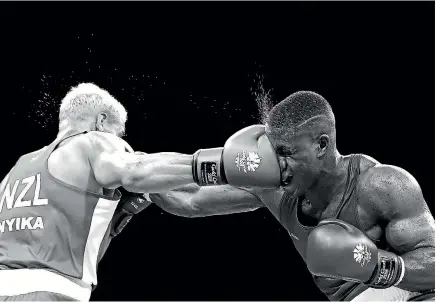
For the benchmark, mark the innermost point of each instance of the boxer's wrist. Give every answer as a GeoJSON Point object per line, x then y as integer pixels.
{"type": "Point", "coordinates": [388, 272]}
{"type": "Point", "coordinates": [402, 271]}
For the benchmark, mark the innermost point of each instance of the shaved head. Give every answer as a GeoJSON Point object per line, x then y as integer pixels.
{"type": "Point", "coordinates": [303, 112]}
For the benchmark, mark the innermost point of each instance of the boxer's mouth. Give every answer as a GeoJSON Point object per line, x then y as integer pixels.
{"type": "Point", "coordinates": [287, 181]}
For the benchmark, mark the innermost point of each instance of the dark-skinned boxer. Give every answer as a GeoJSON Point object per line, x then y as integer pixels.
{"type": "Point", "coordinates": [362, 227]}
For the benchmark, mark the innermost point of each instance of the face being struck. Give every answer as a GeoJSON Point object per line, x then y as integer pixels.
{"type": "Point", "coordinates": [299, 164]}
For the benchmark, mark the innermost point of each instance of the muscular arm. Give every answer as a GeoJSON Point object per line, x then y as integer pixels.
{"type": "Point", "coordinates": [410, 227]}
{"type": "Point", "coordinates": [136, 172]}
{"type": "Point", "coordinates": [195, 201]}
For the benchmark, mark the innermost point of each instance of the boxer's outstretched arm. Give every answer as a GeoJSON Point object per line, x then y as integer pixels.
{"type": "Point", "coordinates": [195, 201]}
{"type": "Point", "coordinates": [140, 173]}
{"type": "Point", "coordinates": [410, 227]}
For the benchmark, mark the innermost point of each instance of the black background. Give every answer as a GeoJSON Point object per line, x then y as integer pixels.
{"type": "Point", "coordinates": [186, 73]}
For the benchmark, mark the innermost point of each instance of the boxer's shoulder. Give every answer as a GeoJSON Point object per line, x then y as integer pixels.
{"type": "Point", "coordinates": [96, 141]}
{"type": "Point", "coordinates": [387, 188]}
{"type": "Point", "coordinates": [387, 179]}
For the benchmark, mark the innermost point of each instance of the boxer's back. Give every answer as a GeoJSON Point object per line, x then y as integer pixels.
{"type": "Point", "coordinates": [53, 214]}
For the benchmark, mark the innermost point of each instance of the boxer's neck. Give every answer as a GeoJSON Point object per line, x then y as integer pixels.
{"type": "Point", "coordinates": [329, 183]}
{"type": "Point", "coordinates": [62, 132]}
{"type": "Point", "coordinates": [82, 127]}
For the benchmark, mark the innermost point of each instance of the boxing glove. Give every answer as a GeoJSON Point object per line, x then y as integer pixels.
{"type": "Point", "coordinates": [247, 160]}
{"type": "Point", "coordinates": [129, 205]}
{"type": "Point", "coordinates": [336, 249]}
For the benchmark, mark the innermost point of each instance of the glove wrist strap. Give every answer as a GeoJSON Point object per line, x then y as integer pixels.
{"type": "Point", "coordinates": [120, 220]}
{"type": "Point", "coordinates": [194, 167]}
{"type": "Point", "coordinates": [207, 167]}
{"type": "Point", "coordinates": [389, 271]}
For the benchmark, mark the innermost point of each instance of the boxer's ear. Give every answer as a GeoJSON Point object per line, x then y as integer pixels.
{"type": "Point", "coordinates": [323, 142]}
{"type": "Point", "coordinates": [101, 118]}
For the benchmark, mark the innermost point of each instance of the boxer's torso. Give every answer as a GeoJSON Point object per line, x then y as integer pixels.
{"type": "Point", "coordinates": [54, 215]}
{"type": "Point", "coordinates": [350, 205]}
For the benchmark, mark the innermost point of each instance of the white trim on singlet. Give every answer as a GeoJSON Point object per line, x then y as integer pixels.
{"type": "Point", "coordinates": [385, 294]}
{"type": "Point", "coordinates": [23, 281]}
{"type": "Point", "coordinates": [102, 216]}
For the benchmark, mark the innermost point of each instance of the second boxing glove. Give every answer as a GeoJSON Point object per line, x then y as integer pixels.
{"type": "Point", "coordinates": [337, 249]}
{"type": "Point", "coordinates": [247, 160]}
{"type": "Point", "coordinates": [129, 205]}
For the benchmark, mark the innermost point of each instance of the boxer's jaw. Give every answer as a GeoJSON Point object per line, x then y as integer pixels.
{"type": "Point", "coordinates": [115, 129]}
{"type": "Point", "coordinates": [329, 182]}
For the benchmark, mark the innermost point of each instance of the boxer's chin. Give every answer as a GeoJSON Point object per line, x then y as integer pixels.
{"type": "Point", "coordinates": [292, 189]}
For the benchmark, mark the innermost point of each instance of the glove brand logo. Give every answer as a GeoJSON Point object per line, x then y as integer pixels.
{"type": "Point", "coordinates": [362, 254]}
{"type": "Point", "coordinates": [248, 161]}
{"type": "Point", "coordinates": [213, 175]}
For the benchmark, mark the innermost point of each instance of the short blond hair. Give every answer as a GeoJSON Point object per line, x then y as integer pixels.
{"type": "Point", "coordinates": [86, 100]}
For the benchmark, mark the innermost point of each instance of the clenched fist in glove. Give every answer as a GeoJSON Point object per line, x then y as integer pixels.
{"type": "Point", "coordinates": [337, 249]}
{"type": "Point", "coordinates": [247, 160]}
{"type": "Point", "coordinates": [129, 205]}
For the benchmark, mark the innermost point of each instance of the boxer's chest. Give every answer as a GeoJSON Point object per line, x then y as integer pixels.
{"type": "Point", "coordinates": [356, 211]}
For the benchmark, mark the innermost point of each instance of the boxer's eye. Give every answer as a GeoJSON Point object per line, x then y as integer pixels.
{"type": "Point", "coordinates": [288, 153]}
{"type": "Point", "coordinates": [285, 151]}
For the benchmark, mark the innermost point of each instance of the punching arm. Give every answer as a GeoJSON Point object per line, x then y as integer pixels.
{"type": "Point", "coordinates": [137, 172]}
{"type": "Point", "coordinates": [143, 173]}
{"type": "Point", "coordinates": [196, 201]}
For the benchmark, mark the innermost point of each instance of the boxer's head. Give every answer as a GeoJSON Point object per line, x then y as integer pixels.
{"type": "Point", "coordinates": [87, 107]}
{"type": "Point", "coordinates": [302, 130]}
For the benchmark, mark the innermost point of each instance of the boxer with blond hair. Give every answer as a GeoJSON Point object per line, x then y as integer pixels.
{"type": "Point", "coordinates": [60, 206]}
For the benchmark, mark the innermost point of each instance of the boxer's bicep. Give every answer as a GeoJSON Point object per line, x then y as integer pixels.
{"type": "Point", "coordinates": [108, 169]}
{"type": "Point", "coordinates": [408, 234]}
{"type": "Point", "coordinates": [107, 156]}
{"type": "Point", "coordinates": [410, 223]}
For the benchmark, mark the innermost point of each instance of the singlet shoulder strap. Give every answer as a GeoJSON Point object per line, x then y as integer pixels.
{"type": "Point", "coordinates": [68, 135]}
{"type": "Point", "coordinates": [352, 176]}
{"type": "Point", "coordinates": [285, 206]}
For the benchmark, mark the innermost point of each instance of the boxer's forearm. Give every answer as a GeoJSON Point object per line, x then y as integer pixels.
{"type": "Point", "coordinates": [160, 177]}
{"type": "Point", "coordinates": [196, 201]}
{"type": "Point", "coordinates": [153, 173]}
{"type": "Point", "coordinates": [178, 201]}
{"type": "Point", "coordinates": [168, 157]}
{"type": "Point", "coordinates": [419, 270]}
